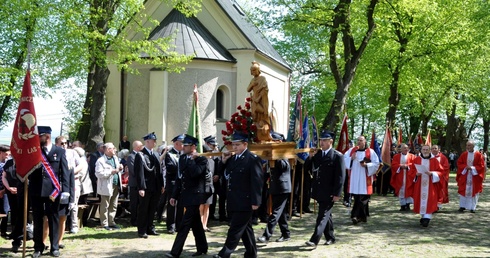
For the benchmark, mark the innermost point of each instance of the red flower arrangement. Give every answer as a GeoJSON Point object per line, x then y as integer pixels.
{"type": "Point", "coordinates": [241, 121]}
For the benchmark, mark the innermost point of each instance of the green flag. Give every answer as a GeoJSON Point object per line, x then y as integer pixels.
{"type": "Point", "coordinates": [195, 121]}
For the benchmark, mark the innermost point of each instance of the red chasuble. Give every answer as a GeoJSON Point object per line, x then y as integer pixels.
{"type": "Point", "coordinates": [479, 164]}
{"type": "Point", "coordinates": [426, 193]}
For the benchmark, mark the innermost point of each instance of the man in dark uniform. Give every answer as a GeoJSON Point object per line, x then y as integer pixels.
{"type": "Point", "coordinates": [280, 190]}
{"type": "Point", "coordinates": [150, 185]}
{"type": "Point", "coordinates": [48, 186]}
{"type": "Point", "coordinates": [244, 175]}
{"type": "Point", "coordinates": [172, 168]}
{"type": "Point", "coordinates": [133, 183]}
{"type": "Point", "coordinates": [190, 191]}
{"type": "Point", "coordinates": [328, 179]}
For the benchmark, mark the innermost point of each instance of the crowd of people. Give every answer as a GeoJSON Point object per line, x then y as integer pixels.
{"type": "Point", "coordinates": [233, 187]}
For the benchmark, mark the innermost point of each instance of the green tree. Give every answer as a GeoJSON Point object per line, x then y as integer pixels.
{"type": "Point", "coordinates": [324, 40]}
{"type": "Point", "coordinates": [116, 32]}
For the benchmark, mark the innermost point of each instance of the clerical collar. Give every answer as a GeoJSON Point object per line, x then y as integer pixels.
{"type": "Point", "coordinates": [361, 149]}
{"type": "Point", "coordinates": [425, 157]}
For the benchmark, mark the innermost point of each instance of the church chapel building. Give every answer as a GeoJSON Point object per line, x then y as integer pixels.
{"type": "Point", "coordinates": [224, 43]}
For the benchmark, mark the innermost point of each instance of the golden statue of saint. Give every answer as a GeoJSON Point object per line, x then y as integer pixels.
{"type": "Point", "coordinates": [260, 103]}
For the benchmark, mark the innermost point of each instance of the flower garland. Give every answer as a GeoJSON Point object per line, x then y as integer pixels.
{"type": "Point", "coordinates": [241, 121]}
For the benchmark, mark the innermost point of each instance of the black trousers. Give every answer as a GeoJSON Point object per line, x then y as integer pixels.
{"type": "Point", "coordinates": [43, 206]}
{"type": "Point", "coordinates": [240, 228]}
{"type": "Point", "coordinates": [190, 220]}
{"type": "Point", "coordinates": [347, 196]}
{"type": "Point", "coordinates": [162, 204]}
{"type": "Point", "coordinates": [222, 200]}
{"type": "Point", "coordinates": [360, 209]}
{"type": "Point", "coordinates": [171, 211]}
{"type": "Point", "coordinates": [133, 204]}
{"type": "Point", "coordinates": [146, 211]}
{"type": "Point", "coordinates": [16, 202]}
{"type": "Point", "coordinates": [278, 215]}
{"type": "Point", "coordinates": [383, 183]}
{"type": "Point", "coordinates": [324, 223]}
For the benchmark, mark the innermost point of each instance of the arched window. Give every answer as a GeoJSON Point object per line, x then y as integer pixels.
{"type": "Point", "coordinates": [223, 103]}
{"type": "Point", "coordinates": [220, 104]}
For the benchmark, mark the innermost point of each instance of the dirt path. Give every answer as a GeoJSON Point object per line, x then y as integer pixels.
{"type": "Point", "coordinates": [388, 233]}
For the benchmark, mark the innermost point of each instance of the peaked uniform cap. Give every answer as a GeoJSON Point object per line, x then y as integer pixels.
{"type": "Point", "coordinates": [190, 140]}
{"type": "Point", "coordinates": [150, 136]}
{"type": "Point", "coordinates": [44, 130]}
{"type": "Point", "coordinates": [179, 138]}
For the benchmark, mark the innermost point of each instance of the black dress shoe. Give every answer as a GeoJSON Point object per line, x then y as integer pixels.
{"type": "Point", "coordinates": [216, 256]}
{"type": "Point", "coordinates": [15, 248]}
{"type": "Point", "coordinates": [169, 255]}
{"type": "Point", "coordinates": [461, 209]}
{"type": "Point", "coordinates": [309, 243]}
{"type": "Point", "coordinates": [143, 235]}
{"type": "Point", "coordinates": [355, 221]}
{"type": "Point", "coordinates": [61, 246]}
{"type": "Point", "coordinates": [171, 231]}
{"type": "Point", "coordinates": [153, 233]}
{"type": "Point", "coordinates": [283, 239]}
{"type": "Point", "coordinates": [472, 211]}
{"type": "Point", "coordinates": [55, 253]}
{"type": "Point", "coordinates": [36, 254]}
{"type": "Point", "coordinates": [262, 239]}
{"type": "Point", "coordinates": [198, 253]}
{"type": "Point", "coordinates": [330, 242]}
{"type": "Point", "coordinates": [307, 211]}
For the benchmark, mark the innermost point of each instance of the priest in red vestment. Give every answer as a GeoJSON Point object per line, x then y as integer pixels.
{"type": "Point", "coordinates": [470, 175]}
{"type": "Point", "coordinates": [402, 176]}
{"type": "Point", "coordinates": [426, 185]}
{"type": "Point", "coordinates": [443, 192]}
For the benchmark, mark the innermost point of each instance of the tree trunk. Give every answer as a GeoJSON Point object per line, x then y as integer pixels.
{"type": "Point", "coordinates": [451, 128]}
{"type": "Point", "coordinates": [351, 55]}
{"type": "Point", "coordinates": [97, 113]}
{"type": "Point", "coordinates": [486, 128]}
{"type": "Point", "coordinates": [85, 122]}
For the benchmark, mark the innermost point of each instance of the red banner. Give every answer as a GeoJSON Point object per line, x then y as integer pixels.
{"type": "Point", "coordinates": [343, 144]}
{"type": "Point", "coordinates": [25, 147]}
{"type": "Point", "coordinates": [386, 149]}
{"type": "Point", "coordinates": [428, 140]}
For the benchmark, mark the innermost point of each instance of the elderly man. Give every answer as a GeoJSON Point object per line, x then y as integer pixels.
{"type": "Point", "coordinates": [362, 163]}
{"type": "Point", "coordinates": [108, 172]}
{"type": "Point", "coordinates": [48, 186]}
{"type": "Point", "coordinates": [470, 176]}
{"type": "Point", "coordinates": [133, 183]}
{"type": "Point", "coordinates": [426, 185]}
{"type": "Point", "coordinates": [402, 176]}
